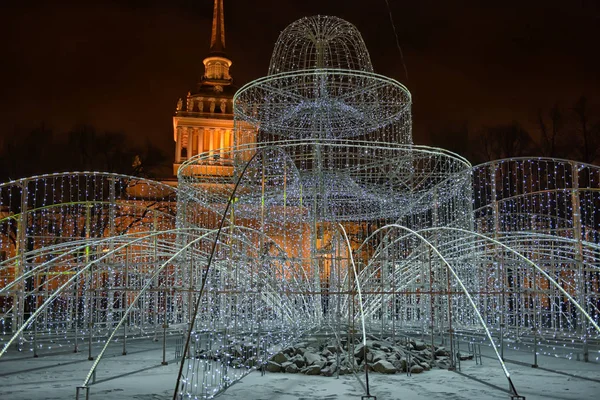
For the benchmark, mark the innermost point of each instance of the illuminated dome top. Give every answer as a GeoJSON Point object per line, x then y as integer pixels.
{"type": "Point", "coordinates": [320, 42]}
{"type": "Point", "coordinates": [321, 84]}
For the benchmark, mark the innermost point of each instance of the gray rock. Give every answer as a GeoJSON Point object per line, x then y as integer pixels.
{"type": "Point", "coordinates": [359, 351]}
{"type": "Point", "coordinates": [292, 368]}
{"type": "Point", "coordinates": [311, 358]}
{"type": "Point", "coordinates": [299, 361]}
{"type": "Point", "coordinates": [416, 369]}
{"type": "Point", "coordinates": [290, 351]}
{"type": "Point", "coordinates": [384, 367]}
{"type": "Point", "coordinates": [280, 358]}
{"type": "Point", "coordinates": [312, 370]}
{"type": "Point", "coordinates": [334, 349]}
{"type": "Point", "coordinates": [419, 345]}
{"type": "Point", "coordinates": [377, 356]}
{"type": "Point", "coordinates": [273, 366]}
{"type": "Point", "coordinates": [345, 371]}
{"type": "Point", "coordinates": [400, 365]}
{"type": "Point", "coordinates": [442, 352]}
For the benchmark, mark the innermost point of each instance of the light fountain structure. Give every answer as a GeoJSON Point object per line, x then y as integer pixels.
{"type": "Point", "coordinates": [334, 223]}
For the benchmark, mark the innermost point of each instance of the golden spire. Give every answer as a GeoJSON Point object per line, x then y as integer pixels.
{"type": "Point", "coordinates": [217, 38]}
{"type": "Point", "coordinates": [216, 65]}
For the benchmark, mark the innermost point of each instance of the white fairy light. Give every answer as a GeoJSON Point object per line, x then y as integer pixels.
{"type": "Point", "coordinates": [438, 246]}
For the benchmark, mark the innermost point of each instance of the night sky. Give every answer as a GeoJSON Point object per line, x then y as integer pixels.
{"type": "Point", "coordinates": [122, 65]}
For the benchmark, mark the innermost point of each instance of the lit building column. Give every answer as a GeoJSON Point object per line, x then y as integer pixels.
{"type": "Point", "coordinates": [230, 135]}
{"type": "Point", "coordinates": [191, 141]}
{"type": "Point", "coordinates": [211, 142]}
{"type": "Point", "coordinates": [186, 135]}
{"type": "Point", "coordinates": [178, 145]}
{"type": "Point", "coordinates": [222, 143]}
{"type": "Point", "coordinates": [200, 139]}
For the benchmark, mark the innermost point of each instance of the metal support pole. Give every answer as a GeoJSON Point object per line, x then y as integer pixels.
{"type": "Point", "coordinates": [35, 354]}
{"type": "Point", "coordinates": [502, 341]}
{"type": "Point", "coordinates": [125, 338]}
{"type": "Point", "coordinates": [165, 326]}
{"type": "Point", "coordinates": [87, 392]}
{"type": "Point", "coordinates": [90, 326]}
{"type": "Point", "coordinates": [76, 318]}
{"type": "Point", "coordinates": [535, 355]}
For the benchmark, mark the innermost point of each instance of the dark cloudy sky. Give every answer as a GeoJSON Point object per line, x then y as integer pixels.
{"type": "Point", "coordinates": [122, 65]}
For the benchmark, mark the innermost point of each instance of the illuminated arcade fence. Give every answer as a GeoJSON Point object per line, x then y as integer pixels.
{"type": "Point", "coordinates": [75, 273]}
{"type": "Point", "coordinates": [58, 220]}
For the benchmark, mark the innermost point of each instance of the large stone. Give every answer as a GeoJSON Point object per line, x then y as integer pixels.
{"type": "Point", "coordinates": [377, 356]}
{"type": "Point", "coordinates": [328, 371]}
{"type": "Point", "coordinates": [290, 351]}
{"type": "Point", "coordinates": [386, 349]}
{"type": "Point", "coordinates": [292, 368]}
{"type": "Point", "coordinates": [400, 365]}
{"type": "Point", "coordinates": [299, 361]}
{"type": "Point", "coordinates": [312, 370]}
{"type": "Point", "coordinates": [442, 352]}
{"type": "Point", "coordinates": [280, 358]}
{"type": "Point", "coordinates": [360, 350]}
{"type": "Point", "coordinates": [345, 371]}
{"type": "Point", "coordinates": [384, 367]}
{"type": "Point", "coordinates": [418, 345]}
{"type": "Point", "coordinates": [334, 349]}
{"type": "Point", "coordinates": [312, 358]}
{"type": "Point", "coordinates": [416, 369]}
{"type": "Point", "coordinates": [273, 366]}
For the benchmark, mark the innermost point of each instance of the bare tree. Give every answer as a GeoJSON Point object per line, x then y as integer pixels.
{"type": "Point", "coordinates": [504, 141]}
{"type": "Point", "coordinates": [586, 131]}
{"type": "Point", "coordinates": [553, 134]}
{"type": "Point", "coordinates": [454, 137]}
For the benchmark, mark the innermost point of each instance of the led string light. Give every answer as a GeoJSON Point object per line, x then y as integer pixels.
{"type": "Point", "coordinates": [107, 258]}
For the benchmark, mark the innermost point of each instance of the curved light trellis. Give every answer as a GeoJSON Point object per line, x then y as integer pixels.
{"type": "Point", "coordinates": [340, 225]}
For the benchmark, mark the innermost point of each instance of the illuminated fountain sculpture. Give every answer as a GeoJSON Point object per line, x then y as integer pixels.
{"type": "Point", "coordinates": [333, 223]}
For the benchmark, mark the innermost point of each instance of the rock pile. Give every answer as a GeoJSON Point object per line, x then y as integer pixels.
{"type": "Point", "coordinates": [380, 356]}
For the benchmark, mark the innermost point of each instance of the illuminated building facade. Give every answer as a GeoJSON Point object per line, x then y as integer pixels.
{"type": "Point", "coordinates": [203, 122]}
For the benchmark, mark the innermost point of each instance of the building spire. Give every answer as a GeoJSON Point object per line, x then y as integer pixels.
{"type": "Point", "coordinates": [217, 38]}
{"type": "Point", "coordinates": [216, 65]}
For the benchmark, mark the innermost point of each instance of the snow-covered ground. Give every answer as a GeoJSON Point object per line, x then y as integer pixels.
{"type": "Point", "coordinates": [140, 375]}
